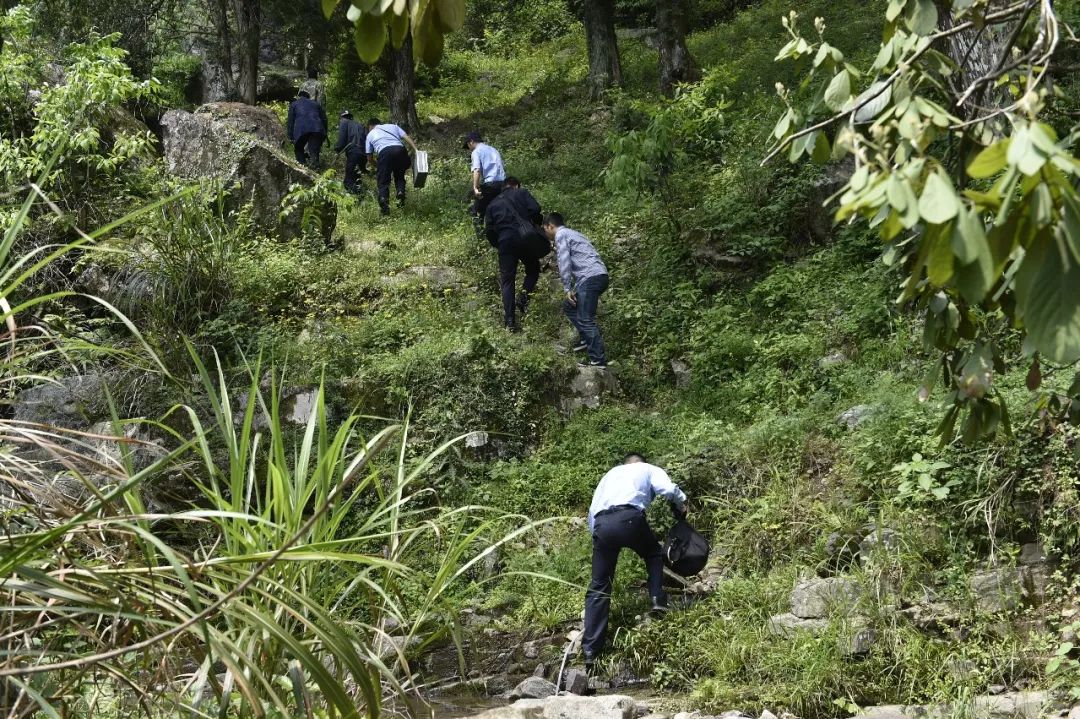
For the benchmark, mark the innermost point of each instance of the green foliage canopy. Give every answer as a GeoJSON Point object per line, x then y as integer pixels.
{"type": "Point", "coordinates": [976, 200]}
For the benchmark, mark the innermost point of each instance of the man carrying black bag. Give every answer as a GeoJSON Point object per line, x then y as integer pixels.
{"type": "Point", "coordinates": [616, 521]}
{"type": "Point", "coordinates": [512, 226]}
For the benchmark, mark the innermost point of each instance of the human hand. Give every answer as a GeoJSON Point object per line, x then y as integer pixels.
{"type": "Point", "coordinates": [477, 192]}
{"type": "Point", "coordinates": [571, 297]}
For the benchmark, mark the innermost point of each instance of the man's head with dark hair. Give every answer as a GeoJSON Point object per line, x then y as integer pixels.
{"type": "Point", "coordinates": [512, 181]}
{"type": "Point", "coordinates": [372, 122]}
{"type": "Point", "coordinates": [346, 114]}
{"type": "Point", "coordinates": [304, 93]}
{"type": "Point", "coordinates": [633, 457]}
{"type": "Point", "coordinates": [471, 140]}
{"type": "Point", "coordinates": [552, 222]}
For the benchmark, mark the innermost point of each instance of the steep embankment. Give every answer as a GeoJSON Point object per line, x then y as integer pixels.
{"type": "Point", "coordinates": [758, 356]}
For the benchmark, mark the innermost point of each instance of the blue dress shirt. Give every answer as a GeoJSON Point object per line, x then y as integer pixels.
{"type": "Point", "coordinates": [489, 162]}
{"type": "Point", "coordinates": [383, 136]}
{"type": "Point", "coordinates": [635, 484]}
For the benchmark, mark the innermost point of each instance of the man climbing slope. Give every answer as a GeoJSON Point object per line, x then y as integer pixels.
{"type": "Point", "coordinates": [584, 277]}
{"type": "Point", "coordinates": [351, 140]}
{"type": "Point", "coordinates": [512, 224]}
{"type": "Point", "coordinates": [488, 173]}
{"type": "Point", "coordinates": [306, 127]}
{"type": "Point", "coordinates": [617, 521]}
{"type": "Point", "coordinates": [384, 142]}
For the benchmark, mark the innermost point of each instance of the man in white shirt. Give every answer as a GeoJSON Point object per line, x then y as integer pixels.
{"type": "Point", "coordinates": [385, 149]}
{"type": "Point", "coordinates": [488, 174]}
{"type": "Point", "coordinates": [617, 520]}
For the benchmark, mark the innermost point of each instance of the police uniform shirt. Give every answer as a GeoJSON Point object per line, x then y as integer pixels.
{"type": "Point", "coordinates": [487, 160]}
{"type": "Point", "coordinates": [381, 137]}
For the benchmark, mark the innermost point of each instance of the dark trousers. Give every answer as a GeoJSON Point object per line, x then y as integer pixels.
{"type": "Point", "coordinates": [513, 249]}
{"type": "Point", "coordinates": [583, 315]}
{"type": "Point", "coordinates": [612, 532]}
{"type": "Point", "coordinates": [308, 147]}
{"type": "Point", "coordinates": [488, 192]}
{"type": "Point", "coordinates": [354, 163]}
{"type": "Point", "coordinates": [392, 161]}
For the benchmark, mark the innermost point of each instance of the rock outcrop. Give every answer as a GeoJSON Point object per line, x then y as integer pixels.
{"type": "Point", "coordinates": [199, 146]}
{"type": "Point", "coordinates": [258, 121]}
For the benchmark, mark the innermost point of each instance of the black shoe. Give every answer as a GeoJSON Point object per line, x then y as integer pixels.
{"type": "Point", "coordinates": [592, 363]}
{"type": "Point", "coordinates": [401, 199]}
{"type": "Point", "coordinates": [513, 328]}
{"type": "Point", "coordinates": [522, 302]}
{"type": "Point", "coordinates": [659, 609]}
{"type": "Point", "coordinates": [384, 209]}
{"type": "Point", "coordinates": [590, 664]}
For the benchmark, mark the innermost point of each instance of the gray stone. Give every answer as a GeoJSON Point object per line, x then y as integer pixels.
{"type": "Point", "coordinates": [735, 714]}
{"type": "Point", "coordinates": [1011, 705]}
{"type": "Point", "coordinates": [655, 716]}
{"type": "Point", "coordinates": [533, 688]}
{"type": "Point", "coordinates": [199, 147]}
{"type": "Point", "coordinates": [789, 625]}
{"type": "Point", "coordinates": [881, 539]}
{"type": "Point", "coordinates": [832, 360]}
{"type": "Point", "coordinates": [855, 416]}
{"type": "Point", "coordinates": [570, 706]}
{"type": "Point", "coordinates": [540, 671]}
{"type": "Point", "coordinates": [475, 440]}
{"type": "Point", "coordinates": [576, 682]}
{"type": "Point", "coordinates": [1031, 554]}
{"type": "Point", "coordinates": [682, 373]}
{"type": "Point", "coordinates": [1074, 713]}
{"type": "Point", "coordinates": [434, 277]}
{"type": "Point", "coordinates": [260, 122]}
{"type": "Point", "coordinates": [814, 598]}
{"type": "Point", "coordinates": [587, 387]}
{"type": "Point", "coordinates": [893, 712]}
{"type": "Point", "coordinates": [69, 402]}
{"type": "Point", "coordinates": [998, 590]}
{"type": "Point", "coordinates": [524, 709]}
{"type": "Point", "coordinates": [766, 714]}
{"type": "Point", "coordinates": [132, 440]}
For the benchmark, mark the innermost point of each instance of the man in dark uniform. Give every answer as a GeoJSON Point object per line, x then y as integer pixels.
{"type": "Point", "coordinates": [306, 126]}
{"type": "Point", "coordinates": [350, 140]}
{"type": "Point", "coordinates": [384, 146]}
{"type": "Point", "coordinates": [507, 224]}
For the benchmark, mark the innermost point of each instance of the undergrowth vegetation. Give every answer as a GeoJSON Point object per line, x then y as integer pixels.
{"type": "Point", "coordinates": [759, 353]}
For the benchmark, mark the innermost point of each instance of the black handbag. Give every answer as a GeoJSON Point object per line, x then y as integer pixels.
{"type": "Point", "coordinates": [686, 552]}
{"type": "Point", "coordinates": [533, 237]}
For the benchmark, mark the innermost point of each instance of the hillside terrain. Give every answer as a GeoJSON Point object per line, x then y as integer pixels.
{"type": "Point", "coordinates": [757, 351]}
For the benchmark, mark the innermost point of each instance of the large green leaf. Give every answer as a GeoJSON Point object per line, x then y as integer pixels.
{"type": "Point", "coordinates": [939, 260]}
{"type": "Point", "coordinates": [990, 161]}
{"type": "Point", "coordinates": [939, 202]}
{"type": "Point", "coordinates": [922, 16]}
{"type": "Point", "coordinates": [450, 13]}
{"type": "Point", "coordinates": [1048, 299]}
{"type": "Point", "coordinates": [370, 38]}
{"type": "Point", "coordinates": [838, 91]}
{"type": "Point", "coordinates": [328, 7]}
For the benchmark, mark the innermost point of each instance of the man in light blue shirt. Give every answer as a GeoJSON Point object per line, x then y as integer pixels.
{"type": "Point", "coordinates": [584, 277]}
{"type": "Point", "coordinates": [384, 142]}
{"type": "Point", "coordinates": [617, 520]}
{"type": "Point", "coordinates": [488, 175]}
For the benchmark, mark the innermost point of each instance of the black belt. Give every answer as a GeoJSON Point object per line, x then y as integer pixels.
{"type": "Point", "coordinates": [619, 508]}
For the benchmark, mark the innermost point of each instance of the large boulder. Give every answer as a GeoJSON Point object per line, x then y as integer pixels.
{"type": "Point", "coordinates": [815, 598]}
{"type": "Point", "coordinates": [258, 121]}
{"type": "Point", "coordinates": [198, 146]}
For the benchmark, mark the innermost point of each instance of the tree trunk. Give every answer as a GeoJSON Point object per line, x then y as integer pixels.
{"type": "Point", "coordinates": [248, 32]}
{"type": "Point", "coordinates": [604, 68]}
{"type": "Point", "coordinates": [676, 63]}
{"type": "Point", "coordinates": [219, 16]}
{"type": "Point", "coordinates": [978, 54]}
{"type": "Point", "coordinates": [400, 78]}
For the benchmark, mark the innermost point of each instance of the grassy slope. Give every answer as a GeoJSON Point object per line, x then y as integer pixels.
{"type": "Point", "coordinates": [754, 434]}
